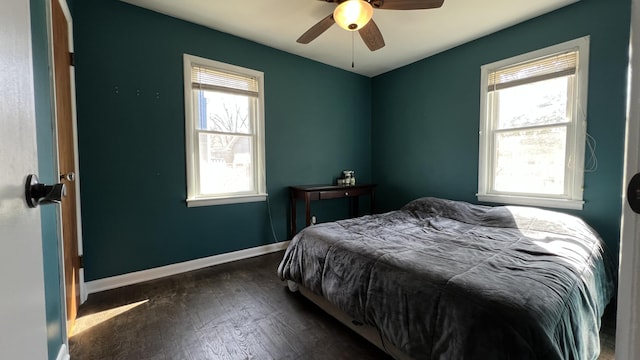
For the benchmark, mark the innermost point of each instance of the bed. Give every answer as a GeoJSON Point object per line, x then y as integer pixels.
{"type": "Point", "coordinates": [443, 279]}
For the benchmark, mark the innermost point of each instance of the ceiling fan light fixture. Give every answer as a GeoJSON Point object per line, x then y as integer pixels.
{"type": "Point", "coordinates": [353, 15]}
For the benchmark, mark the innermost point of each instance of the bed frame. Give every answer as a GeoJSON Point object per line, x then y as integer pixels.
{"type": "Point", "coordinates": [368, 332]}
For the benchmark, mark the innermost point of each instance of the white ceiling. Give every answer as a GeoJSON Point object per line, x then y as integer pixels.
{"type": "Point", "coordinates": [410, 35]}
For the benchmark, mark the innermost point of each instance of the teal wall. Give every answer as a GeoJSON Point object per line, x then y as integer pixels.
{"type": "Point", "coordinates": [426, 115]}
{"type": "Point", "coordinates": [47, 174]}
{"type": "Point", "coordinates": [132, 145]}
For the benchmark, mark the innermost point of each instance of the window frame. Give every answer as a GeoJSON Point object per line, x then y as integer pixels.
{"type": "Point", "coordinates": [576, 133]}
{"type": "Point", "coordinates": [194, 198]}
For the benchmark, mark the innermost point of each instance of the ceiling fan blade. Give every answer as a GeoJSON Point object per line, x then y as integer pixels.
{"type": "Point", "coordinates": [316, 30]}
{"type": "Point", "coordinates": [406, 4]}
{"type": "Point", "coordinates": [372, 36]}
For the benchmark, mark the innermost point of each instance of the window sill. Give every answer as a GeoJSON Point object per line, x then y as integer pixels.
{"type": "Point", "coordinates": [195, 202]}
{"type": "Point", "coordinates": [532, 201]}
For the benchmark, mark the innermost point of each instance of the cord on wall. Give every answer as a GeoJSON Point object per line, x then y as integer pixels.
{"type": "Point", "coordinates": [273, 230]}
{"type": "Point", "coordinates": [591, 164]}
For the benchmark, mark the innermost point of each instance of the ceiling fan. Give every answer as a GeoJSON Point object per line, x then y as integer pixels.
{"type": "Point", "coordinates": [355, 15]}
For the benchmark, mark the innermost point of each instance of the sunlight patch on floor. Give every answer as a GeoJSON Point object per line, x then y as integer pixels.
{"type": "Point", "coordinates": [88, 321]}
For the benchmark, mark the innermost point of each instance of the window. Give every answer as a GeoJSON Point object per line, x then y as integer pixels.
{"type": "Point", "coordinates": [533, 127]}
{"type": "Point", "coordinates": [224, 118]}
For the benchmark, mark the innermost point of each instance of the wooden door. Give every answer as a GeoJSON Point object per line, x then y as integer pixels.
{"type": "Point", "coordinates": [66, 159]}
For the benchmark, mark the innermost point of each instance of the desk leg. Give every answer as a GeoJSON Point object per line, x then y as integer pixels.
{"type": "Point", "coordinates": [373, 201]}
{"type": "Point", "coordinates": [292, 206]}
{"type": "Point", "coordinates": [355, 207]}
{"type": "Point", "coordinates": [307, 207]}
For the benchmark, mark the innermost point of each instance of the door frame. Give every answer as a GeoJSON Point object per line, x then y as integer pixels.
{"type": "Point", "coordinates": [67, 13]}
{"type": "Point", "coordinates": [628, 316]}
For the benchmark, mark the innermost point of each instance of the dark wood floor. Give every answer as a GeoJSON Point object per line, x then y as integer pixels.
{"type": "Point", "coordinates": [239, 310]}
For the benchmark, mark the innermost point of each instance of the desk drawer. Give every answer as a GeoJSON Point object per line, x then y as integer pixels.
{"type": "Point", "coordinates": [334, 194]}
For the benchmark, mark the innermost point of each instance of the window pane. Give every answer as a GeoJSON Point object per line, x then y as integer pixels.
{"type": "Point", "coordinates": [226, 164]}
{"type": "Point", "coordinates": [538, 103]}
{"type": "Point", "coordinates": [220, 111]}
{"type": "Point", "coordinates": [531, 161]}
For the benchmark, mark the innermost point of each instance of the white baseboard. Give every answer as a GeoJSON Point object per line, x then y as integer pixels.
{"type": "Point", "coordinates": [63, 353]}
{"type": "Point", "coordinates": [83, 287]}
{"type": "Point", "coordinates": [173, 269]}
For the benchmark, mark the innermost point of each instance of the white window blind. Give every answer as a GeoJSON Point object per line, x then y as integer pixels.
{"type": "Point", "coordinates": [532, 71]}
{"type": "Point", "coordinates": [205, 78]}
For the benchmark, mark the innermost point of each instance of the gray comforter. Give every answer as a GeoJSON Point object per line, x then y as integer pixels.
{"type": "Point", "coordinates": [442, 279]}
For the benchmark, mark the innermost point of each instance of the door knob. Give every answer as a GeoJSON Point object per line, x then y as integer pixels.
{"type": "Point", "coordinates": [71, 176]}
{"type": "Point", "coordinates": [633, 193]}
{"type": "Point", "coordinates": [41, 194]}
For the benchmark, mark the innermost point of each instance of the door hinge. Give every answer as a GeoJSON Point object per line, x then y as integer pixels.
{"type": "Point", "coordinates": [72, 59]}
{"type": "Point", "coordinates": [80, 262]}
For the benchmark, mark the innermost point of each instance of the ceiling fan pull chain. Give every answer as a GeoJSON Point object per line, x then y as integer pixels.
{"type": "Point", "coordinates": [352, 51]}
